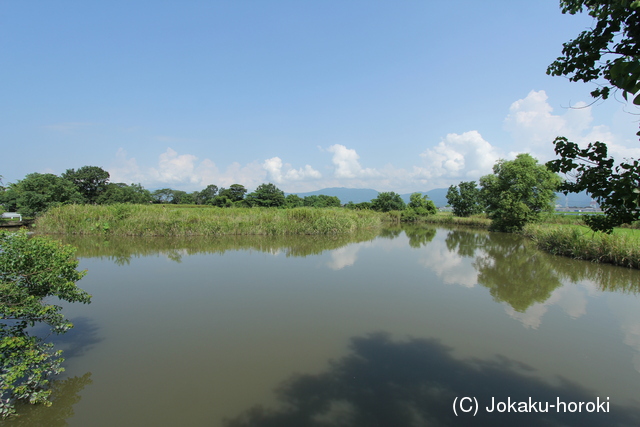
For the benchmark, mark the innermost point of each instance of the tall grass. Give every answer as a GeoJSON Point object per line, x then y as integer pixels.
{"type": "Point", "coordinates": [447, 218]}
{"type": "Point", "coordinates": [620, 248]}
{"type": "Point", "coordinates": [156, 220]}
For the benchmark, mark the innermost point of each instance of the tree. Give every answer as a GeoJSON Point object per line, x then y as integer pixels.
{"type": "Point", "coordinates": [322, 201]}
{"type": "Point", "coordinates": [464, 199]}
{"type": "Point", "coordinates": [615, 188]}
{"type": "Point", "coordinates": [608, 54]}
{"type": "Point", "coordinates": [386, 202]}
{"type": "Point", "coordinates": [266, 195]}
{"type": "Point", "coordinates": [207, 195]}
{"type": "Point", "coordinates": [182, 198]}
{"type": "Point", "coordinates": [164, 195]}
{"type": "Point", "coordinates": [419, 206]}
{"type": "Point", "coordinates": [37, 192]}
{"type": "Point", "coordinates": [293, 201]}
{"type": "Point", "coordinates": [91, 181]}
{"type": "Point", "coordinates": [422, 204]}
{"type": "Point", "coordinates": [123, 193]}
{"type": "Point", "coordinates": [32, 270]}
{"type": "Point", "coordinates": [518, 192]}
{"type": "Point", "coordinates": [236, 192]}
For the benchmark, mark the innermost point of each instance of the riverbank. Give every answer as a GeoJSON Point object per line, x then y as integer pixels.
{"type": "Point", "coordinates": [566, 235]}
{"type": "Point", "coordinates": [621, 248]}
{"type": "Point", "coordinates": [166, 220]}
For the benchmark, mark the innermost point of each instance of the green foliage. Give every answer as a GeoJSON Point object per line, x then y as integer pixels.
{"type": "Point", "coordinates": [388, 201]}
{"type": "Point", "coordinates": [422, 204]}
{"type": "Point", "coordinates": [518, 192]}
{"type": "Point", "coordinates": [358, 206]}
{"type": "Point", "coordinates": [123, 193]}
{"type": "Point", "coordinates": [267, 196]}
{"type": "Point", "coordinates": [419, 208]}
{"type": "Point", "coordinates": [38, 192]}
{"type": "Point", "coordinates": [183, 198]}
{"type": "Point", "coordinates": [207, 194]}
{"type": "Point", "coordinates": [615, 188]}
{"type": "Point", "coordinates": [293, 201]}
{"type": "Point", "coordinates": [322, 201]}
{"type": "Point", "coordinates": [163, 195]}
{"type": "Point", "coordinates": [221, 201]}
{"type": "Point", "coordinates": [91, 181]}
{"type": "Point", "coordinates": [32, 270]}
{"type": "Point", "coordinates": [234, 193]}
{"type": "Point", "coordinates": [609, 50]}
{"type": "Point", "coordinates": [465, 199]}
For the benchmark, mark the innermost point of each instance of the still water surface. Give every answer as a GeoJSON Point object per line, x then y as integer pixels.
{"type": "Point", "coordinates": [378, 329]}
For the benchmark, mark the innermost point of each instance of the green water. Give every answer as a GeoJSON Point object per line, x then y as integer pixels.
{"type": "Point", "coordinates": [378, 329]}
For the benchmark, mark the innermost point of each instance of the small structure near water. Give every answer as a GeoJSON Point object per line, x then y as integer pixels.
{"type": "Point", "coordinates": [12, 215]}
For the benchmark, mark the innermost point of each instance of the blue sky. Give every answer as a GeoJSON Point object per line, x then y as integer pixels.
{"type": "Point", "coordinates": [392, 95]}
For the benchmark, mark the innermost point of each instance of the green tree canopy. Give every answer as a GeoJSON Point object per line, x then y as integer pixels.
{"type": "Point", "coordinates": [91, 181]}
{"type": "Point", "coordinates": [419, 207]}
{"type": "Point", "coordinates": [322, 201]}
{"type": "Point", "coordinates": [422, 204]}
{"type": "Point", "coordinates": [388, 201]}
{"type": "Point", "coordinates": [465, 199]}
{"type": "Point", "coordinates": [123, 193]}
{"type": "Point", "coordinates": [207, 194]}
{"type": "Point", "coordinates": [266, 195]}
{"type": "Point", "coordinates": [37, 192]}
{"type": "Point", "coordinates": [518, 192]}
{"type": "Point", "coordinates": [293, 201]}
{"type": "Point", "coordinates": [164, 195]}
{"type": "Point", "coordinates": [235, 192]}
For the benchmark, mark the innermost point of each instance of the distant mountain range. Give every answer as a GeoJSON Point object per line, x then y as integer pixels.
{"type": "Point", "coordinates": [359, 195]}
{"type": "Point", "coordinates": [438, 195]}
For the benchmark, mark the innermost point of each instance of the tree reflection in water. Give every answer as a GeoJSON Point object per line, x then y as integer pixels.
{"type": "Point", "coordinates": [65, 394]}
{"type": "Point", "coordinates": [419, 236]}
{"type": "Point", "coordinates": [517, 273]}
{"type": "Point", "coordinates": [414, 383]}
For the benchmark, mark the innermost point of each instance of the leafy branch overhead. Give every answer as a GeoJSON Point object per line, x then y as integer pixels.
{"type": "Point", "coordinates": [616, 188]}
{"type": "Point", "coordinates": [607, 51]}
{"type": "Point", "coordinates": [609, 55]}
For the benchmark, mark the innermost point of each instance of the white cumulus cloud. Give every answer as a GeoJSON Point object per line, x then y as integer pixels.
{"type": "Point", "coordinates": [533, 127]}
{"type": "Point", "coordinates": [183, 171]}
{"type": "Point", "coordinates": [347, 165]}
{"type": "Point", "coordinates": [279, 173]}
{"type": "Point", "coordinates": [463, 157]}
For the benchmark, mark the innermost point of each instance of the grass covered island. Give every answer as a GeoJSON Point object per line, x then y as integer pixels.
{"type": "Point", "coordinates": [558, 234]}
{"type": "Point", "coordinates": [185, 220]}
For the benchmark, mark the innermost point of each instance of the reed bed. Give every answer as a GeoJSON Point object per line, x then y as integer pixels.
{"type": "Point", "coordinates": [157, 220]}
{"type": "Point", "coordinates": [447, 218]}
{"type": "Point", "coordinates": [620, 248]}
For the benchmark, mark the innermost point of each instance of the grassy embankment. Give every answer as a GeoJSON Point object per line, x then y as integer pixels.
{"type": "Point", "coordinates": [567, 235]}
{"type": "Point", "coordinates": [174, 220]}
